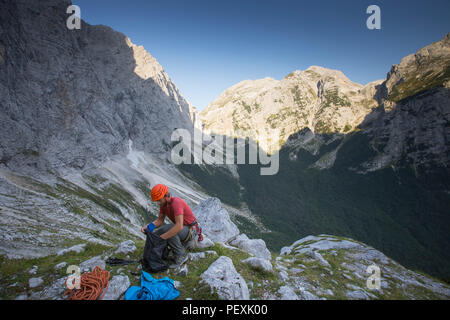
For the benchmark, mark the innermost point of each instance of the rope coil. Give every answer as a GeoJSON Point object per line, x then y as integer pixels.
{"type": "Point", "coordinates": [92, 284]}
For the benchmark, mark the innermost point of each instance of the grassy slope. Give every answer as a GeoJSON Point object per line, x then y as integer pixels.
{"type": "Point", "coordinates": [262, 285]}
{"type": "Point", "coordinates": [16, 271]}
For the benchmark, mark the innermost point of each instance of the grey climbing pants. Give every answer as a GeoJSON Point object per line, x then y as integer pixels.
{"type": "Point", "coordinates": [176, 242]}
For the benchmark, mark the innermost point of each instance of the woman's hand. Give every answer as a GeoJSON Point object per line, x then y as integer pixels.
{"type": "Point", "coordinates": [143, 229]}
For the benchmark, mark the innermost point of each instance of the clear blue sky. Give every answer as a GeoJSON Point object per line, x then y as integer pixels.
{"type": "Point", "coordinates": [207, 46]}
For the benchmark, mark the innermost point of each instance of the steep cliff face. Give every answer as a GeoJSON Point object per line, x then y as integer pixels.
{"type": "Point", "coordinates": [73, 98]}
{"type": "Point", "coordinates": [415, 132]}
{"type": "Point", "coordinates": [411, 127]}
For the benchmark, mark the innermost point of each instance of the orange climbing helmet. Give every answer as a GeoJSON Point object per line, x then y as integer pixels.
{"type": "Point", "coordinates": [158, 192]}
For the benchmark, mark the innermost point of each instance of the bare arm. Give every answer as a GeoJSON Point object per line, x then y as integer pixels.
{"type": "Point", "coordinates": [158, 222]}
{"type": "Point", "coordinates": [175, 229]}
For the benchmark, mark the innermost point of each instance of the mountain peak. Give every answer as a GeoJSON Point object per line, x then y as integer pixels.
{"type": "Point", "coordinates": [319, 98]}
{"type": "Point", "coordinates": [327, 72]}
{"type": "Point", "coordinates": [321, 69]}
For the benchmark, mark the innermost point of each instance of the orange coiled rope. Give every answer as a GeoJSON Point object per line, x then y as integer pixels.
{"type": "Point", "coordinates": [92, 284]}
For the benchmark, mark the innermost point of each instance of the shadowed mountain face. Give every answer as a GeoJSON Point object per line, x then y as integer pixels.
{"type": "Point", "coordinates": [400, 214]}
{"type": "Point", "coordinates": [73, 98]}
{"type": "Point", "coordinates": [324, 186]}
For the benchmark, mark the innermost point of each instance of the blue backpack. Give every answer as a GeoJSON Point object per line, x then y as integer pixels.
{"type": "Point", "coordinates": [152, 289]}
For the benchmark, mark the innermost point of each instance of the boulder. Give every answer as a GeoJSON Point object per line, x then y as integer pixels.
{"type": "Point", "coordinates": [256, 247]}
{"type": "Point", "coordinates": [215, 220]}
{"type": "Point", "coordinates": [53, 292]}
{"type": "Point", "coordinates": [259, 263]}
{"type": "Point", "coordinates": [205, 243]}
{"type": "Point", "coordinates": [283, 275]}
{"type": "Point", "coordinates": [287, 293]}
{"type": "Point", "coordinates": [317, 256]}
{"type": "Point", "coordinates": [117, 286]}
{"type": "Point", "coordinates": [306, 295]}
{"type": "Point", "coordinates": [223, 278]}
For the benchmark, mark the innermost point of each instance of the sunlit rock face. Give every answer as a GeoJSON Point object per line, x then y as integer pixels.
{"type": "Point", "coordinates": [269, 111]}
{"type": "Point", "coordinates": [405, 115]}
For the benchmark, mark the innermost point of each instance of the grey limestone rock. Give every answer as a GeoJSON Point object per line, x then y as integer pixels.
{"type": "Point", "coordinates": [126, 247]}
{"type": "Point", "coordinates": [215, 220]}
{"type": "Point", "coordinates": [259, 263]}
{"type": "Point", "coordinates": [256, 247]}
{"type": "Point", "coordinates": [77, 249]}
{"type": "Point", "coordinates": [35, 282]}
{"type": "Point", "coordinates": [90, 264]}
{"type": "Point", "coordinates": [117, 286]}
{"type": "Point", "coordinates": [223, 278]}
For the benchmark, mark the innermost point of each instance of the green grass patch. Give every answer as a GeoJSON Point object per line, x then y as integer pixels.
{"type": "Point", "coordinates": [16, 271]}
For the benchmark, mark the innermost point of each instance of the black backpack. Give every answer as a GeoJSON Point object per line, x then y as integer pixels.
{"type": "Point", "coordinates": [155, 251]}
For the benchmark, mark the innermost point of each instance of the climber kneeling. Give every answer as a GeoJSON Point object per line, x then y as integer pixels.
{"type": "Point", "coordinates": [182, 232]}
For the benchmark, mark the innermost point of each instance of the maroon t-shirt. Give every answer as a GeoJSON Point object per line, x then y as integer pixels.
{"type": "Point", "coordinates": [177, 207]}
